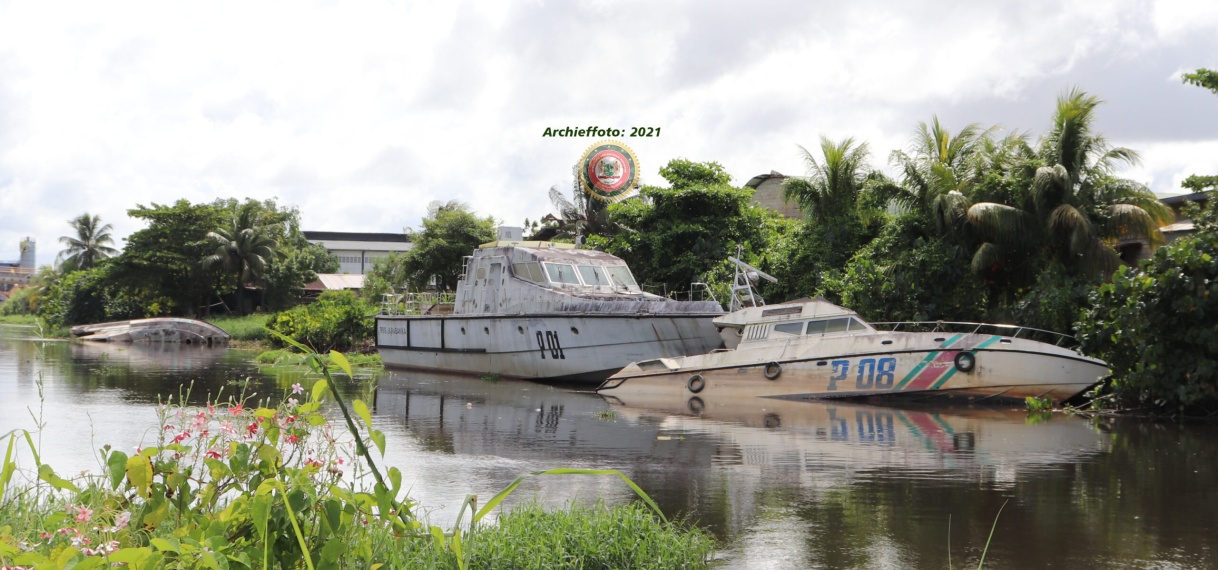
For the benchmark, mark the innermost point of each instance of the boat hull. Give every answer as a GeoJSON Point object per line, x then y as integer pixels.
{"type": "Point", "coordinates": [575, 348]}
{"type": "Point", "coordinates": [917, 366]}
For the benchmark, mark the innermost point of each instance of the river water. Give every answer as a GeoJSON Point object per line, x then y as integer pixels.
{"type": "Point", "coordinates": [779, 484]}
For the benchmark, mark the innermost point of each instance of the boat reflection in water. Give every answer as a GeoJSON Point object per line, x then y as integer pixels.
{"type": "Point", "coordinates": [724, 463]}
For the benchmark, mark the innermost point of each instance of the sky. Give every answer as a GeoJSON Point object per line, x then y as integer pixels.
{"type": "Point", "coordinates": [362, 113]}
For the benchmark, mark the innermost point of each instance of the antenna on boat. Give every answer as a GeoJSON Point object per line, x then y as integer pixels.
{"type": "Point", "coordinates": [743, 294]}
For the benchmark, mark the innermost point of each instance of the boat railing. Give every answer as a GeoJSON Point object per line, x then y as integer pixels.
{"type": "Point", "coordinates": [428, 302]}
{"type": "Point", "coordinates": [697, 291]}
{"type": "Point", "coordinates": [1013, 331]}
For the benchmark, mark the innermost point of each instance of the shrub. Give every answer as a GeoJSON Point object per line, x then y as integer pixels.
{"type": "Point", "coordinates": [337, 321]}
{"type": "Point", "coordinates": [1156, 325]}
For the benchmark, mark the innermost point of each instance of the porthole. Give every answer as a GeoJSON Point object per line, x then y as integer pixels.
{"type": "Point", "coordinates": [574, 330]}
{"type": "Point", "coordinates": [520, 330]}
{"type": "Point", "coordinates": [462, 330]}
{"type": "Point", "coordinates": [486, 330]}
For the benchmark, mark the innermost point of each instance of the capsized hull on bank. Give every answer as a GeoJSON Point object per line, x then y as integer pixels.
{"type": "Point", "coordinates": [859, 361]}
{"type": "Point", "coordinates": [546, 311]}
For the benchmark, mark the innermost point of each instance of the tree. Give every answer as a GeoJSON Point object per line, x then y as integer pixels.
{"type": "Point", "coordinates": [89, 246]}
{"type": "Point", "coordinates": [1075, 207]}
{"type": "Point", "coordinates": [1203, 78]}
{"type": "Point", "coordinates": [833, 186]}
{"type": "Point", "coordinates": [159, 272]}
{"type": "Point", "coordinates": [679, 234]}
{"type": "Point", "coordinates": [937, 172]}
{"type": "Point", "coordinates": [243, 248]}
{"type": "Point", "coordinates": [450, 232]}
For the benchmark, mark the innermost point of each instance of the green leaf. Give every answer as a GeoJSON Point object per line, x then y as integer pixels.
{"type": "Point", "coordinates": [341, 360]}
{"type": "Point", "coordinates": [395, 479]}
{"type": "Point", "coordinates": [47, 474]}
{"type": "Point", "coordinates": [116, 464]}
{"type": "Point", "coordinates": [319, 390]}
{"type": "Point", "coordinates": [364, 413]}
{"type": "Point", "coordinates": [132, 556]}
{"type": "Point", "coordinates": [164, 545]}
{"type": "Point", "coordinates": [139, 474]}
{"type": "Point", "coordinates": [378, 439]}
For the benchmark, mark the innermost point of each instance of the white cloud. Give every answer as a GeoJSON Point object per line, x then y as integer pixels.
{"type": "Point", "coordinates": [362, 114]}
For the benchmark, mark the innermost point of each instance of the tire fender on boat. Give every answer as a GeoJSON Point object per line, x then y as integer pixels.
{"type": "Point", "coordinates": [696, 383]}
{"type": "Point", "coordinates": [772, 370]}
{"type": "Point", "coordinates": [965, 361]}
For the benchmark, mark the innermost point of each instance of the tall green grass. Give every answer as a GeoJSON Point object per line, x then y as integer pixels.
{"type": "Point", "coordinates": [249, 327]}
{"type": "Point", "coordinates": [18, 319]}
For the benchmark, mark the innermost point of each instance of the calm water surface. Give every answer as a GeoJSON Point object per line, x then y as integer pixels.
{"type": "Point", "coordinates": [781, 484]}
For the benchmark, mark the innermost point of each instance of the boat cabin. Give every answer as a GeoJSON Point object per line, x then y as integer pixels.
{"type": "Point", "coordinates": [513, 277]}
{"type": "Point", "coordinates": [788, 320]}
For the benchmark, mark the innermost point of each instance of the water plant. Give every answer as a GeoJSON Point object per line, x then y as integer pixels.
{"type": "Point", "coordinates": [1037, 405]}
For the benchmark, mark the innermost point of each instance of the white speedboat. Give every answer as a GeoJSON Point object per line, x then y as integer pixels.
{"type": "Point", "coordinates": [546, 311]}
{"type": "Point", "coordinates": [815, 349]}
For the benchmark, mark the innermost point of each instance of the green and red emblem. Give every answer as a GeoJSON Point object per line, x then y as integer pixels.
{"type": "Point", "coordinates": [609, 170]}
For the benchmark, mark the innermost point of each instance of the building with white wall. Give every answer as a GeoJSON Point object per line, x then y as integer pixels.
{"type": "Point", "coordinates": [356, 251]}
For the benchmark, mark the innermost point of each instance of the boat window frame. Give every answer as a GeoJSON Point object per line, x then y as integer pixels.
{"type": "Point", "coordinates": [793, 328]}
{"type": "Point", "coordinates": [616, 271]}
{"type": "Point", "coordinates": [602, 276]}
{"type": "Point", "coordinates": [853, 324]}
{"type": "Point", "coordinates": [548, 265]}
{"type": "Point", "coordinates": [529, 271]}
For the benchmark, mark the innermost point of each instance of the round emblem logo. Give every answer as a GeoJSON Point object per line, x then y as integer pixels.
{"type": "Point", "coordinates": [609, 170]}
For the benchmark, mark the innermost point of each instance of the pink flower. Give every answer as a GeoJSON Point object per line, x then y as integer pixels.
{"type": "Point", "coordinates": [235, 410]}
{"type": "Point", "coordinates": [83, 514]}
{"type": "Point", "coordinates": [292, 438]}
{"type": "Point", "coordinates": [297, 388]}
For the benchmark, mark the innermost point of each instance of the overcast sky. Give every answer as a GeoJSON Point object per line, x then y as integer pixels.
{"type": "Point", "coordinates": [362, 113]}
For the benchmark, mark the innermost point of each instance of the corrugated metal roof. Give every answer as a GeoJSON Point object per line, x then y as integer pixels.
{"type": "Point", "coordinates": [344, 245]}
{"type": "Point", "coordinates": [336, 282]}
{"type": "Point", "coordinates": [355, 236]}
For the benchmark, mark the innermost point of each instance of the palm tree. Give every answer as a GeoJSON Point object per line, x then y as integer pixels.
{"type": "Point", "coordinates": [1075, 208]}
{"type": "Point", "coordinates": [833, 186]}
{"type": "Point", "coordinates": [938, 172]}
{"type": "Point", "coordinates": [243, 248]}
{"type": "Point", "coordinates": [90, 245]}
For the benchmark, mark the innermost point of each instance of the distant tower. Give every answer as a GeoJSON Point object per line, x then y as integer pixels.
{"type": "Point", "coordinates": [27, 254]}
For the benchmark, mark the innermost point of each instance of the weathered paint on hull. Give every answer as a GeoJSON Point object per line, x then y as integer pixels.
{"type": "Point", "coordinates": [1010, 370]}
{"type": "Point", "coordinates": [580, 348]}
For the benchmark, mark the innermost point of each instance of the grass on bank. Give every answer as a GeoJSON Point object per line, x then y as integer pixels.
{"type": "Point", "coordinates": [18, 320]}
{"type": "Point", "coordinates": [250, 327]}
{"type": "Point", "coordinates": [288, 357]}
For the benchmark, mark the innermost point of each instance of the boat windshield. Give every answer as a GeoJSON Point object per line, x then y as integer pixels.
{"type": "Point", "coordinates": [562, 273]}
{"type": "Point", "coordinates": [593, 276]}
{"type": "Point", "coordinates": [620, 276]}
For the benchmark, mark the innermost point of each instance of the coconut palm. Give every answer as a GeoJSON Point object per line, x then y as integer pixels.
{"type": "Point", "coordinates": [833, 186]}
{"type": "Point", "coordinates": [243, 248]}
{"type": "Point", "coordinates": [1075, 208]}
{"type": "Point", "coordinates": [938, 172]}
{"type": "Point", "coordinates": [89, 246]}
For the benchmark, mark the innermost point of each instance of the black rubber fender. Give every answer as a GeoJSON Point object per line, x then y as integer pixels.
{"type": "Point", "coordinates": [965, 361]}
{"type": "Point", "coordinates": [696, 383]}
{"type": "Point", "coordinates": [772, 370]}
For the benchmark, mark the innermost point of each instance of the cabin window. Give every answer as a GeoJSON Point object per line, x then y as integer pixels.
{"type": "Point", "coordinates": [481, 273]}
{"type": "Point", "coordinates": [529, 271]}
{"type": "Point", "coordinates": [789, 328]}
{"type": "Point", "coordinates": [620, 276]}
{"type": "Point", "coordinates": [838, 325]}
{"type": "Point", "coordinates": [562, 273]}
{"type": "Point", "coordinates": [593, 276]}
